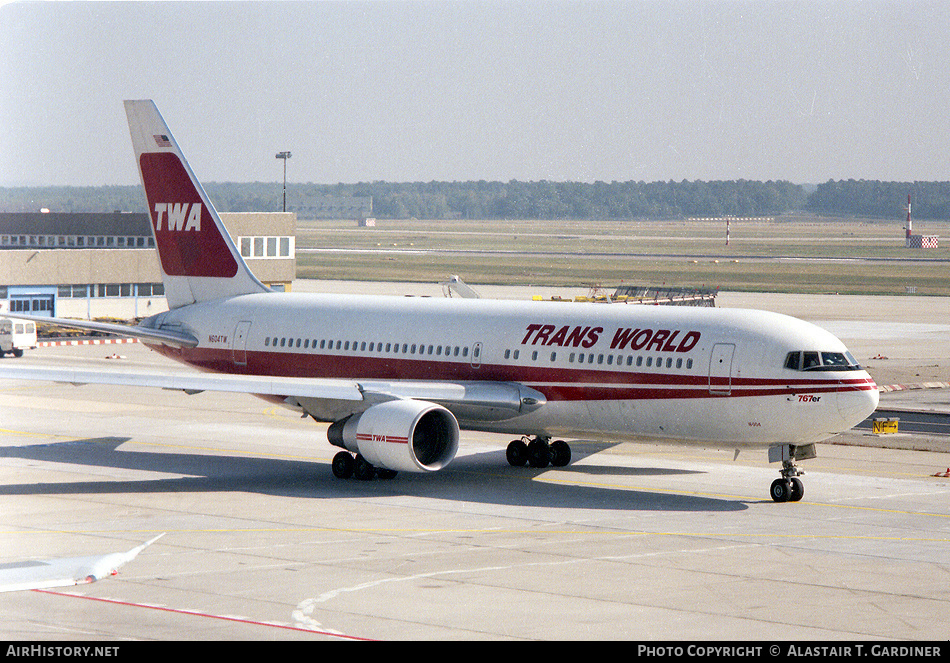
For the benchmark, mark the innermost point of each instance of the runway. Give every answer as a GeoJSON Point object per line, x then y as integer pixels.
{"type": "Point", "coordinates": [633, 541]}
{"type": "Point", "coordinates": [520, 254]}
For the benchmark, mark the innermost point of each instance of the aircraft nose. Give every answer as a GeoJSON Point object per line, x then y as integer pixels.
{"type": "Point", "coordinates": [857, 400]}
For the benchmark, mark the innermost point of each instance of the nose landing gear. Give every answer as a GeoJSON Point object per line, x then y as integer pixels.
{"type": "Point", "coordinates": [789, 488]}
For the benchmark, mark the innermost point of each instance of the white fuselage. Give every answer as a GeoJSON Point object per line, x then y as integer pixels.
{"type": "Point", "coordinates": [606, 371]}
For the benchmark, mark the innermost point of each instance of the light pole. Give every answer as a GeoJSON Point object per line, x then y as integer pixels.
{"type": "Point", "coordinates": [284, 156]}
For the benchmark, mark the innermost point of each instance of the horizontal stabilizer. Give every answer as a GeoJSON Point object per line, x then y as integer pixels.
{"type": "Point", "coordinates": [164, 336]}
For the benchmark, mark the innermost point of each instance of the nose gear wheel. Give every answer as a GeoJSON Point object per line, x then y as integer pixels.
{"type": "Point", "coordinates": [789, 488]}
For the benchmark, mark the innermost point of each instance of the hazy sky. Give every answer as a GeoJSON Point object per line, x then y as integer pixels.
{"type": "Point", "coordinates": [401, 90]}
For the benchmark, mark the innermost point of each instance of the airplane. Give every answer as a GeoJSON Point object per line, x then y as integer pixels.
{"type": "Point", "coordinates": [398, 378]}
{"type": "Point", "coordinates": [65, 571]}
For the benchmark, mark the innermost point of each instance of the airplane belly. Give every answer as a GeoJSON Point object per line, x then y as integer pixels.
{"type": "Point", "coordinates": [701, 420]}
{"type": "Point", "coordinates": [718, 422]}
{"type": "Point", "coordinates": [752, 421]}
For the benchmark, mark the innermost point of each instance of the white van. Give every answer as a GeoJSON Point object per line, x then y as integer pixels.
{"type": "Point", "coordinates": [16, 335]}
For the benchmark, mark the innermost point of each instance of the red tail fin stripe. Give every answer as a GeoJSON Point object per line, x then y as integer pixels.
{"type": "Point", "coordinates": [189, 241]}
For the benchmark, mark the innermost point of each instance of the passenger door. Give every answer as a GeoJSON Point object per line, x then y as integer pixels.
{"type": "Point", "coordinates": [239, 343]}
{"type": "Point", "coordinates": [720, 369]}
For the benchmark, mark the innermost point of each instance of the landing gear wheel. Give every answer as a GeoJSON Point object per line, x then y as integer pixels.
{"type": "Point", "coordinates": [798, 489]}
{"type": "Point", "coordinates": [342, 465]}
{"type": "Point", "coordinates": [789, 488]}
{"type": "Point", "coordinates": [560, 453]}
{"type": "Point", "coordinates": [539, 454]}
{"type": "Point", "coordinates": [517, 453]}
{"type": "Point", "coordinates": [781, 490]}
{"type": "Point", "coordinates": [363, 469]}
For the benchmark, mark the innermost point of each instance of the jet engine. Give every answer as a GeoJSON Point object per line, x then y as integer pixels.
{"type": "Point", "coordinates": [406, 435]}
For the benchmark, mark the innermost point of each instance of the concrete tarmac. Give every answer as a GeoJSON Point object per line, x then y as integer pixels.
{"type": "Point", "coordinates": [631, 541]}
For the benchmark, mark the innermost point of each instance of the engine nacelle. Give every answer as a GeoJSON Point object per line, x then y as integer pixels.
{"type": "Point", "coordinates": [405, 435]}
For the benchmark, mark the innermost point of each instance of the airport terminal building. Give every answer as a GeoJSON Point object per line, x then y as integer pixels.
{"type": "Point", "coordinates": [91, 265]}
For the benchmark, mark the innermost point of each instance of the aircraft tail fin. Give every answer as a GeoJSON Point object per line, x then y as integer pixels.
{"type": "Point", "coordinates": [199, 261]}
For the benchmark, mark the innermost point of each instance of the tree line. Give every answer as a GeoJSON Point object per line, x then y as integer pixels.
{"type": "Point", "coordinates": [876, 199]}
{"type": "Point", "coordinates": [533, 200]}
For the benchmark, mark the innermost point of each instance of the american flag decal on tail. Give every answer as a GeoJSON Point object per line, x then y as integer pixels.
{"type": "Point", "coordinates": [162, 141]}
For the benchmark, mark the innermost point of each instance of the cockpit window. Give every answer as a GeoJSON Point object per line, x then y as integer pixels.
{"type": "Point", "coordinates": [793, 360]}
{"type": "Point", "coordinates": [835, 359]}
{"type": "Point", "coordinates": [821, 361]}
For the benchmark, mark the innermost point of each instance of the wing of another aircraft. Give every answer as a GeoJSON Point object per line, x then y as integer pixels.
{"type": "Point", "coordinates": [65, 571]}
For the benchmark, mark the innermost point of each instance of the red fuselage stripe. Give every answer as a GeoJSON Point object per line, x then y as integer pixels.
{"type": "Point", "coordinates": [557, 383]}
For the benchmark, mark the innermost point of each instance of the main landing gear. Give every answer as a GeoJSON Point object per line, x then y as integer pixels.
{"type": "Point", "coordinates": [538, 452]}
{"type": "Point", "coordinates": [346, 466]}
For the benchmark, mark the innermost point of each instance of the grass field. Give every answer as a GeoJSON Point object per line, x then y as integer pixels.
{"type": "Point", "coordinates": [789, 255]}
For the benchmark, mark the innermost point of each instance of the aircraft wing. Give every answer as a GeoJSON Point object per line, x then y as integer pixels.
{"type": "Point", "coordinates": [327, 399]}
{"type": "Point", "coordinates": [165, 336]}
{"type": "Point", "coordinates": [192, 383]}
{"type": "Point", "coordinates": [467, 400]}
{"type": "Point", "coordinates": [65, 571]}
